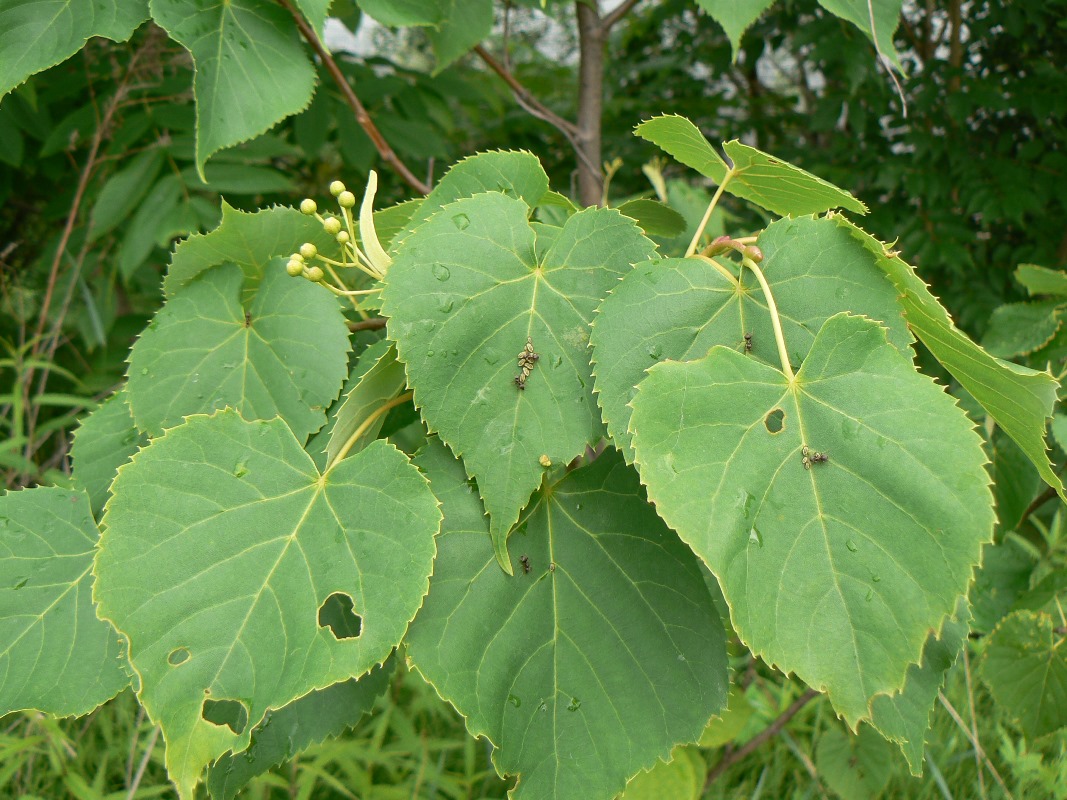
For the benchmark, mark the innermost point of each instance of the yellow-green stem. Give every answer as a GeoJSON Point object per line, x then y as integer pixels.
{"type": "Point", "coordinates": [776, 321]}
{"type": "Point", "coordinates": [365, 425]}
{"type": "Point", "coordinates": [718, 268]}
{"type": "Point", "coordinates": [707, 214]}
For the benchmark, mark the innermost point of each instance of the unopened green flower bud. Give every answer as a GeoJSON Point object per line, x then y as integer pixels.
{"type": "Point", "coordinates": [346, 200]}
{"type": "Point", "coordinates": [342, 237]}
{"type": "Point", "coordinates": [315, 274]}
{"type": "Point", "coordinates": [296, 257]}
{"type": "Point", "coordinates": [307, 206]}
{"type": "Point", "coordinates": [331, 225]}
{"type": "Point", "coordinates": [336, 188]}
{"type": "Point", "coordinates": [295, 269]}
{"type": "Point", "coordinates": [308, 250]}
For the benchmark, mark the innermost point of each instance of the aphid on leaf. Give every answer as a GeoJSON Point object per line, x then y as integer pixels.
{"type": "Point", "coordinates": [819, 457]}
{"type": "Point", "coordinates": [520, 381]}
{"type": "Point", "coordinates": [748, 342]}
{"type": "Point", "coordinates": [526, 359]}
{"type": "Point", "coordinates": [248, 319]}
{"type": "Point", "coordinates": [525, 561]}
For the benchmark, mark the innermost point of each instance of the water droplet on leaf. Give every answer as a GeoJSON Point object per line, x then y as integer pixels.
{"type": "Point", "coordinates": [852, 546]}
{"type": "Point", "coordinates": [441, 272]}
{"type": "Point", "coordinates": [575, 704]}
{"type": "Point", "coordinates": [461, 221]}
{"type": "Point", "coordinates": [515, 701]}
{"type": "Point", "coordinates": [445, 305]}
{"type": "Point", "coordinates": [755, 537]}
{"type": "Point", "coordinates": [655, 351]}
{"type": "Point", "coordinates": [241, 469]}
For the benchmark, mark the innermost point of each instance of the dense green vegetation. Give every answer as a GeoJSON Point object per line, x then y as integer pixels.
{"type": "Point", "coordinates": [703, 336]}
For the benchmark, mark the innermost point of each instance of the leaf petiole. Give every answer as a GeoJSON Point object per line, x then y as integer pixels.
{"type": "Point", "coordinates": [363, 426]}
{"type": "Point", "coordinates": [718, 267]}
{"type": "Point", "coordinates": [707, 214]}
{"type": "Point", "coordinates": [779, 337]}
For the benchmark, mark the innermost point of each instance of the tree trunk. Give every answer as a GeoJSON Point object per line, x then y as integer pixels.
{"type": "Point", "coordinates": [591, 38]}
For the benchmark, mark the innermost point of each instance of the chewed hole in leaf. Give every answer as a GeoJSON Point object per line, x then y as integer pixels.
{"type": "Point", "coordinates": [230, 713]}
{"type": "Point", "coordinates": [775, 421]}
{"type": "Point", "coordinates": [178, 655]}
{"type": "Point", "coordinates": [336, 614]}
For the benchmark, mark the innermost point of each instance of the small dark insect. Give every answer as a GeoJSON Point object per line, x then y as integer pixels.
{"type": "Point", "coordinates": [525, 561]}
{"type": "Point", "coordinates": [526, 359]}
{"type": "Point", "coordinates": [748, 342]}
{"type": "Point", "coordinates": [520, 381]}
{"type": "Point", "coordinates": [816, 457]}
{"type": "Point", "coordinates": [248, 319]}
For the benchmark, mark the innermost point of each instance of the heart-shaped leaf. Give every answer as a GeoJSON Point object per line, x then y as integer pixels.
{"type": "Point", "coordinates": [104, 441]}
{"type": "Point", "coordinates": [596, 658]}
{"type": "Point", "coordinates": [55, 655]}
{"type": "Point", "coordinates": [284, 353]}
{"type": "Point", "coordinates": [679, 308]}
{"type": "Point", "coordinates": [834, 569]}
{"type": "Point", "coordinates": [224, 549]}
{"type": "Point", "coordinates": [468, 290]}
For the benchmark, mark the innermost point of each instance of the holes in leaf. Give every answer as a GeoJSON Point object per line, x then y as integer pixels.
{"type": "Point", "coordinates": [337, 615]}
{"type": "Point", "coordinates": [775, 421]}
{"type": "Point", "coordinates": [230, 713]}
{"type": "Point", "coordinates": [178, 655]}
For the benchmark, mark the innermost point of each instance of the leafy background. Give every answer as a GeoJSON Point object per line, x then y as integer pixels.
{"type": "Point", "coordinates": [969, 183]}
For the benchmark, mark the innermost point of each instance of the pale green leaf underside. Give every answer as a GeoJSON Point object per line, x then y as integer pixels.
{"type": "Point", "coordinates": [879, 26]}
{"type": "Point", "coordinates": [583, 674]}
{"type": "Point", "coordinates": [515, 173]}
{"type": "Point", "coordinates": [679, 308]}
{"type": "Point", "coordinates": [904, 718]}
{"type": "Point", "coordinates": [1017, 329]}
{"type": "Point", "coordinates": [104, 441]}
{"type": "Point", "coordinates": [854, 766]}
{"type": "Point", "coordinates": [201, 353]}
{"type": "Point", "coordinates": [397, 13]}
{"type": "Point", "coordinates": [654, 217]}
{"type": "Point", "coordinates": [1042, 280]}
{"type": "Point", "coordinates": [1025, 667]}
{"type": "Point", "coordinates": [383, 380]}
{"type": "Point", "coordinates": [221, 543]}
{"type": "Point", "coordinates": [465, 291]}
{"type": "Point", "coordinates": [756, 176]}
{"type": "Point", "coordinates": [284, 733]}
{"type": "Point", "coordinates": [1019, 399]}
{"type": "Point", "coordinates": [37, 34]}
{"type": "Point", "coordinates": [837, 572]}
{"type": "Point", "coordinates": [251, 240]}
{"type": "Point", "coordinates": [55, 655]}
{"type": "Point", "coordinates": [735, 17]}
{"type": "Point", "coordinates": [680, 779]}
{"type": "Point", "coordinates": [251, 68]}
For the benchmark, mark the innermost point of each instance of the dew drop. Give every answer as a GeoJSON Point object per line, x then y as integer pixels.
{"type": "Point", "coordinates": [194, 378]}
{"type": "Point", "coordinates": [755, 537]}
{"type": "Point", "coordinates": [445, 305]}
{"type": "Point", "coordinates": [241, 469]}
{"type": "Point", "coordinates": [20, 583]}
{"type": "Point", "coordinates": [852, 546]}
{"type": "Point", "coordinates": [557, 361]}
{"type": "Point", "coordinates": [655, 351]}
{"type": "Point", "coordinates": [870, 595]}
{"type": "Point", "coordinates": [144, 370]}
{"type": "Point", "coordinates": [577, 506]}
{"type": "Point", "coordinates": [441, 272]}
{"type": "Point", "coordinates": [575, 704]}
{"type": "Point", "coordinates": [491, 356]}
{"type": "Point", "coordinates": [744, 502]}
{"type": "Point", "coordinates": [543, 706]}
{"type": "Point", "coordinates": [429, 353]}
{"type": "Point", "coordinates": [461, 221]}
{"type": "Point", "coordinates": [515, 701]}
{"type": "Point", "coordinates": [876, 578]}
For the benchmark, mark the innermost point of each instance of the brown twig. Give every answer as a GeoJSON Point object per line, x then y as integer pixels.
{"type": "Point", "coordinates": [372, 324]}
{"type": "Point", "coordinates": [771, 730]}
{"type": "Point", "coordinates": [1036, 503]}
{"type": "Point", "coordinates": [362, 117]}
{"type": "Point", "coordinates": [524, 97]}
{"type": "Point", "coordinates": [609, 20]}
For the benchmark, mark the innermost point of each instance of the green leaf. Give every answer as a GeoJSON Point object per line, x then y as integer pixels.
{"type": "Point", "coordinates": [123, 192]}
{"type": "Point", "coordinates": [315, 12]}
{"type": "Point", "coordinates": [593, 664]}
{"type": "Point", "coordinates": [855, 767]}
{"type": "Point", "coordinates": [682, 140]}
{"type": "Point", "coordinates": [221, 545]}
{"type": "Point", "coordinates": [679, 308]}
{"type": "Point", "coordinates": [283, 353]}
{"type": "Point", "coordinates": [756, 176]}
{"type": "Point", "coordinates": [1041, 280]}
{"type": "Point", "coordinates": [1004, 576]}
{"type": "Point", "coordinates": [1018, 329]}
{"type": "Point", "coordinates": [251, 69]}
{"type": "Point", "coordinates": [400, 13]}
{"type": "Point", "coordinates": [878, 19]}
{"type": "Point", "coordinates": [466, 292]}
{"type": "Point", "coordinates": [38, 34]}
{"type": "Point", "coordinates": [654, 218]}
{"type": "Point", "coordinates": [464, 23]}
{"type": "Point", "coordinates": [56, 656]}
{"type": "Point", "coordinates": [514, 173]}
{"type": "Point", "coordinates": [1015, 480]}
{"type": "Point", "coordinates": [383, 380]}
{"type": "Point", "coordinates": [284, 733]}
{"type": "Point", "coordinates": [1025, 667]}
{"type": "Point", "coordinates": [904, 717]}
{"type": "Point", "coordinates": [726, 727]}
{"type": "Point", "coordinates": [1019, 399]}
{"type": "Point", "coordinates": [682, 778]}
{"type": "Point", "coordinates": [735, 17]}
{"type": "Point", "coordinates": [251, 241]}
{"type": "Point", "coordinates": [104, 441]}
{"type": "Point", "coordinates": [149, 223]}
{"type": "Point", "coordinates": [719, 444]}
{"type": "Point", "coordinates": [1059, 430]}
